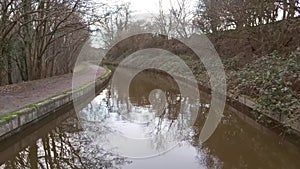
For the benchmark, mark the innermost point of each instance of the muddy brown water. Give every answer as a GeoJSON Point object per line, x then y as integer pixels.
{"type": "Point", "coordinates": [123, 130]}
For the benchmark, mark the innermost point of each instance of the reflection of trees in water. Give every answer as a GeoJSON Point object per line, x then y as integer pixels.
{"type": "Point", "coordinates": [174, 123]}
{"type": "Point", "coordinates": [205, 158]}
{"type": "Point", "coordinates": [67, 146]}
{"type": "Point", "coordinates": [177, 119]}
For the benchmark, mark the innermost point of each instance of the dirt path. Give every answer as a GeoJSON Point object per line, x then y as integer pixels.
{"type": "Point", "coordinates": [17, 96]}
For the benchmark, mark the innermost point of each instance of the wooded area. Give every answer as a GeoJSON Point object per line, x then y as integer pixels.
{"type": "Point", "coordinates": [39, 39]}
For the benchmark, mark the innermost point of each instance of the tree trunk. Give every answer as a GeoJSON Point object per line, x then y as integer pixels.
{"type": "Point", "coordinates": [9, 70]}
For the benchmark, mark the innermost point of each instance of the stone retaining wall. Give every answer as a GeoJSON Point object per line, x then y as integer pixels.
{"type": "Point", "coordinates": [15, 121]}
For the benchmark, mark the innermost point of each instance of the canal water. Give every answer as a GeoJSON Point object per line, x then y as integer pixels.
{"type": "Point", "coordinates": [117, 130]}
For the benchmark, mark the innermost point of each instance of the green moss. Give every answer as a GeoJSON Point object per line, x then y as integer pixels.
{"type": "Point", "coordinates": [108, 72]}
{"type": "Point", "coordinates": [17, 113]}
{"type": "Point", "coordinates": [33, 106]}
{"type": "Point", "coordinates": [6, 118]}
{"type": "Point", "coordinates": [9, 116]}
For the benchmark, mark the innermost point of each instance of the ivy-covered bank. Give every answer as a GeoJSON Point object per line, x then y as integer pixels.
{"type": "Point", "coordinates": [272, 82]}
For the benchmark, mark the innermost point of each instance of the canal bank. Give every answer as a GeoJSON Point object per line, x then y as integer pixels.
{"type": "Point", "coordinates": [48, 95]}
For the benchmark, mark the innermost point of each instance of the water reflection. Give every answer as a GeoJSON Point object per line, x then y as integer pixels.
{"type": "Point", "coordinates": [107, 123]}
{"type": "Point", "coordinates": [66, 146]}
{"type": "Point", "coordinates": [235, 144]}
{"type": "Point", "coordinates": [138, 127]}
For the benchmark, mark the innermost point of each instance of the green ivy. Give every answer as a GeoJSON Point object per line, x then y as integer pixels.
{"type": "Point", "coordinates": [264, 79]}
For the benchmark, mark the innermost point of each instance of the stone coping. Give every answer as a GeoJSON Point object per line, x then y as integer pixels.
{"type": "Point", "coordinates": [14, 121]}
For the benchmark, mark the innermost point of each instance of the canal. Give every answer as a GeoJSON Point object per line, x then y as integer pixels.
{"type": "Point", "coordinates": [117, 130]}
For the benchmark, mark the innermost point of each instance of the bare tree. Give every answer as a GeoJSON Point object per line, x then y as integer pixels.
{"type": "Point", "coordinates": [42, 38]}
{"type": "Point", "coordinates": [177, 21]}
{"type": "Point", "coordinates": [117, 18]}
{"type": "Point", "coordinates": [213, 16]}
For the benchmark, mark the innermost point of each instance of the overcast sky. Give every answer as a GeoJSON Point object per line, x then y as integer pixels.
{"type": "Point", "coordinates": [145, 6]}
